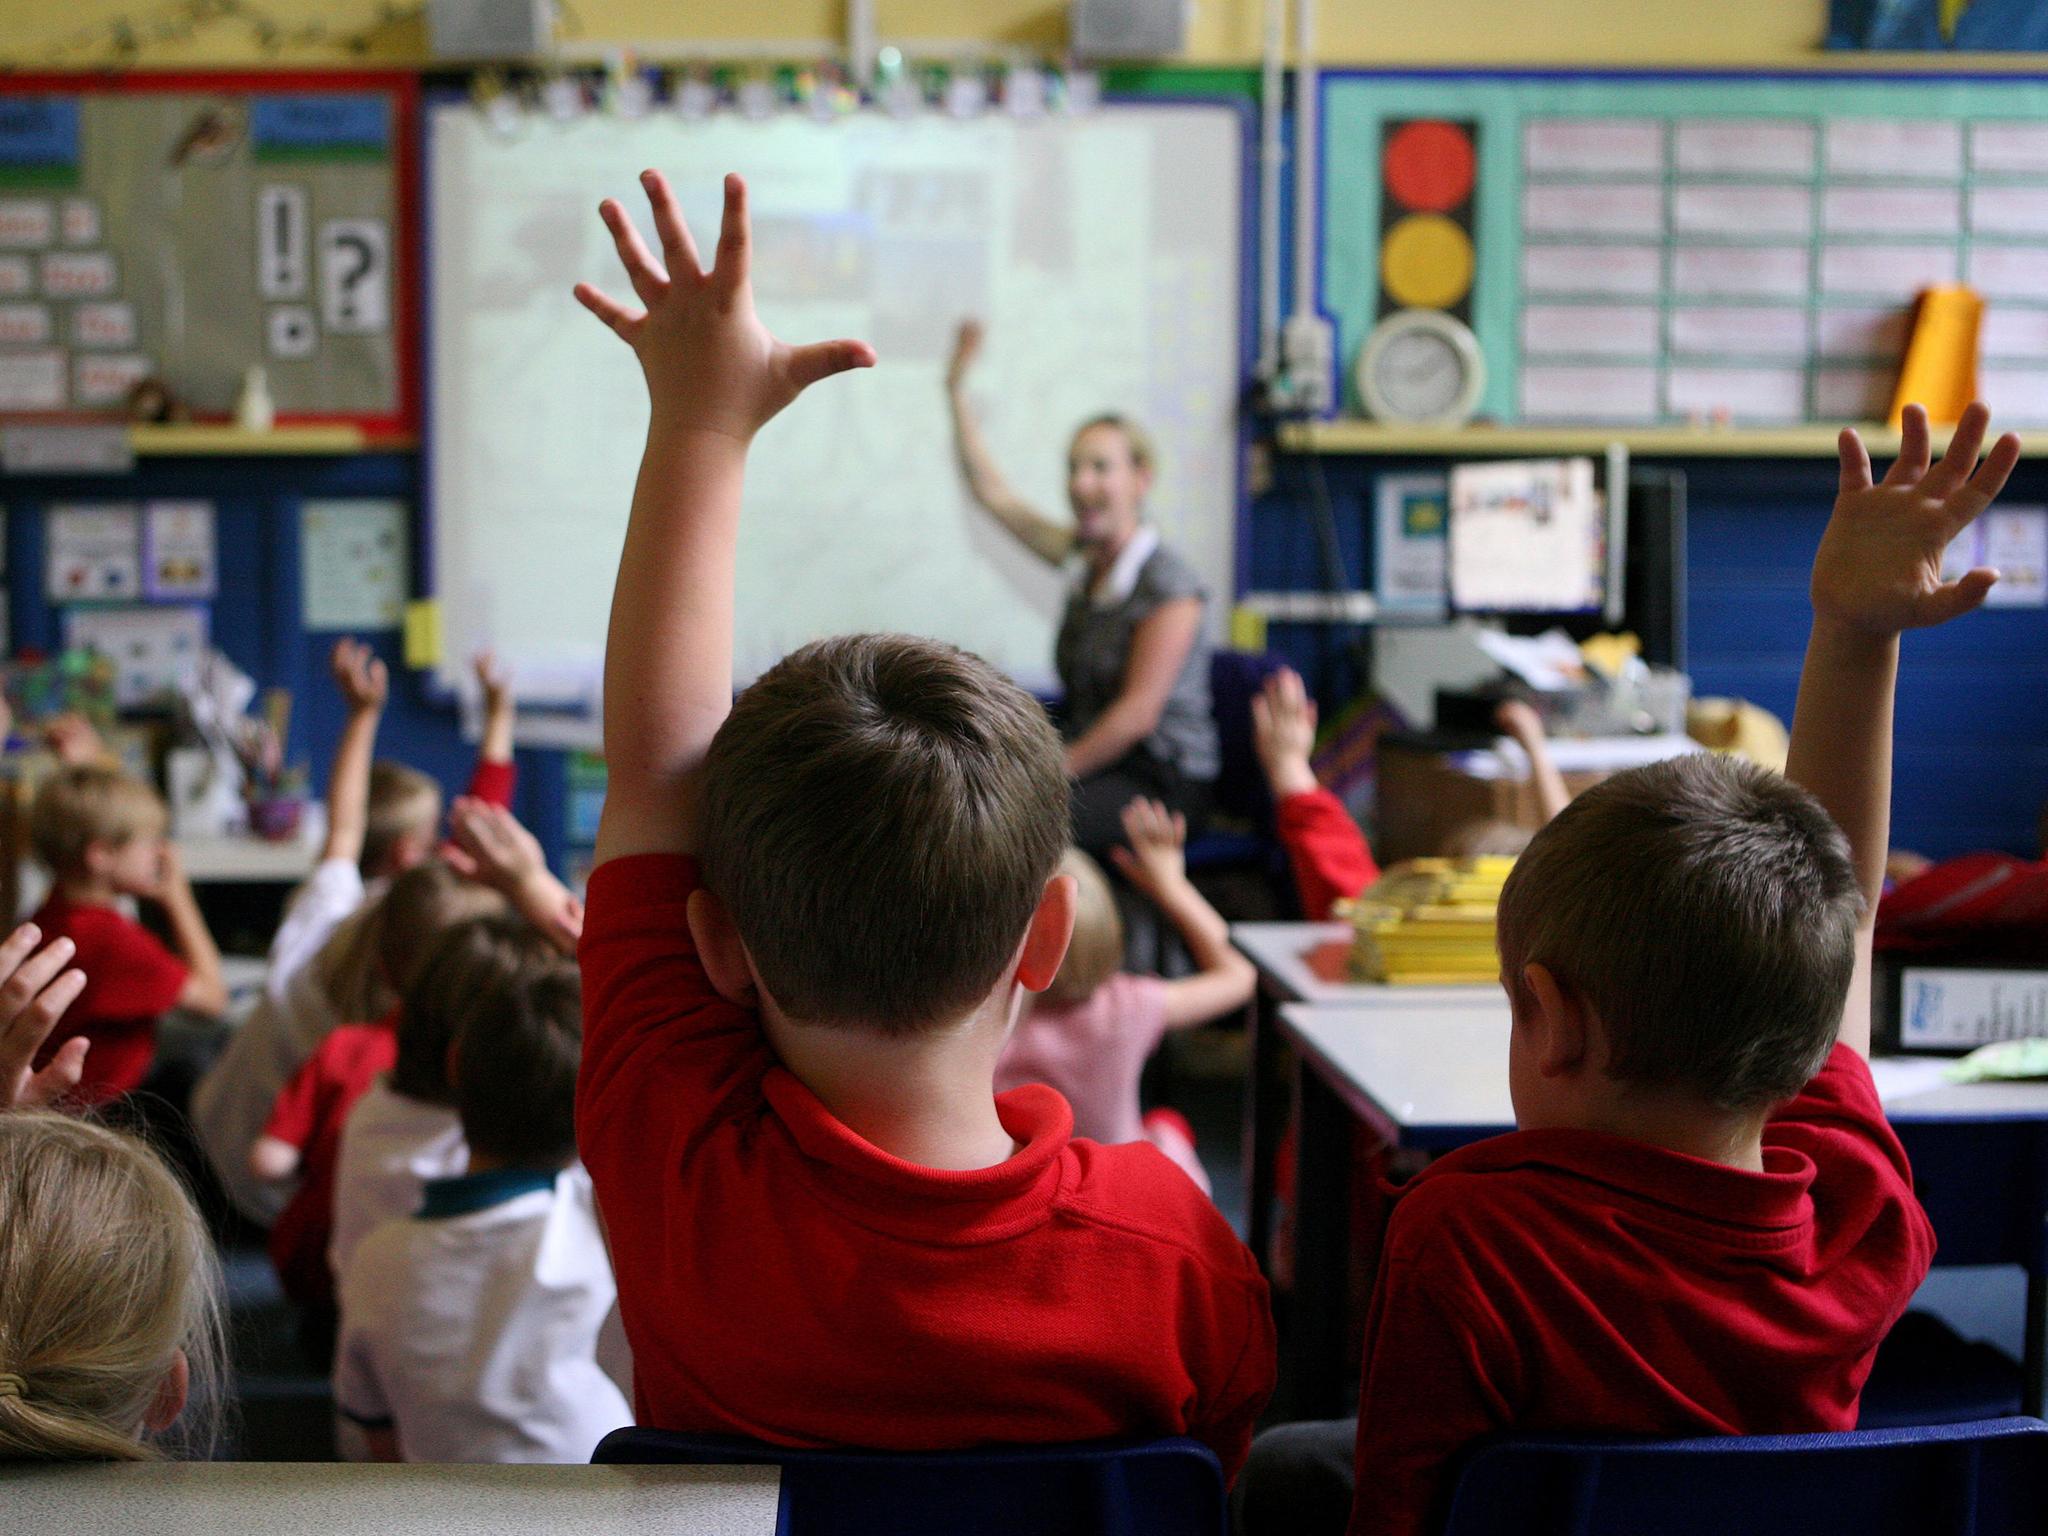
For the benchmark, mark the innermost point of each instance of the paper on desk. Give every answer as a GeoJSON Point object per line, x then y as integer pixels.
{"type": "Point", "coordinates": [1900, 1077]}
{"type": "Point", "coordinates": [1546, 662]}
{"type": "Point", "coordinates": [1598, 754]}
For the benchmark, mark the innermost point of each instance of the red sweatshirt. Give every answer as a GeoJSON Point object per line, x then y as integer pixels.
{"type": "Point", "coordinates": [782, 1278]}
{"type": "Point", "coordinates": [1573, 1281]}
{"type": "Point", "coordinates": [1329, 854]}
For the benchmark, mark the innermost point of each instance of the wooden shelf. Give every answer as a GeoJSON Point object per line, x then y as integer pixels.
{"type": "Point", "coordinates": [1372, 438]}
{"type": "Point", "coordinates": [193, 439]}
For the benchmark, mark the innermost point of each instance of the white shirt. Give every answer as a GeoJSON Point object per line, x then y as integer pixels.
{"type": "Point", "coordinates": [231, 1104]}
{"type": "Point", "coordinates": [472, 1328]}
{"type": "Point", "coordinates": [390, 1147]}
{"type": "Point", "coordinates": [1121, 579]}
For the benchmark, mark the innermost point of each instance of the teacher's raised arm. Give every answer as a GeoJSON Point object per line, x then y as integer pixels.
{"type": "Point", "coordinates": [1132, 657]}
{"type": "Point", "coordinates": [1045, 537]}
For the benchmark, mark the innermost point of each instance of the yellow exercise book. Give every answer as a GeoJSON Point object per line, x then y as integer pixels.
{"type": "Point", "coordinates": [1429, 922]}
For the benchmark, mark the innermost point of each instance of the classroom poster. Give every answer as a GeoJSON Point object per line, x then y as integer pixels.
{"type": "Point", "coordinates": [178, 549]}
{"type": "Point", "coordinates": [93, 552]}
{"type": "Point", "coordinates": [1413, 546]}
{"type": "Point", "coordinates": [355, 565]}
{"type": "Point", "coordinates": [154, 650]}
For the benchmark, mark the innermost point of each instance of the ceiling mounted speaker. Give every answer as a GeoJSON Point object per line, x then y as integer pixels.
{"type": "Point", "coordinates": [489, 29]}
{"type": "Point", "coordinates": [1102, 30]}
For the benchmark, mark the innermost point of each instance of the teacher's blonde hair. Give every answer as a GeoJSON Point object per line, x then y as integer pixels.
{"type": "Point", "coordinates": [1136, 438]}
{"type": "Point", "coordinates": [106, 1273]}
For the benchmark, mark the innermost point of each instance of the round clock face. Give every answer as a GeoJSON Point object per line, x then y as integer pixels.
{"type": "Point", "coordinates": [1421, 368]}
{"type": "Point", "coordinates": [1421, 375]}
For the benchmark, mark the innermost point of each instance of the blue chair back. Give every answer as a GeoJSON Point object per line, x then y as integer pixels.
{"type": "Point", "coordinates": [1990, 1477]}
{"type": "Point", "coordinates": [1234, 678]}
{"type": "Point", "coordinates": [1101, 1488]}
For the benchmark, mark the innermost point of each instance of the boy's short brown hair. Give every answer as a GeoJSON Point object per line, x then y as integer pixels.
{"type": "Point", "coordinates": [880, 816]}
{"type": "Point", "coordinates": [516, 1053]}
{"type": "Point", "coordinates": [472, 962]}
{"type": "Point", "coordinates": [1706, 910]}
{"type": "Point", "coordinates": [76, 807]}
{"type": "Point", "coordinates": [1096, 951]}
{"type": "Point", "coordinates": [402, 800]}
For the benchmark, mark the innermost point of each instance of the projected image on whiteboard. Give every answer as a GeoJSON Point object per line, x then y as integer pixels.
{"type": "Point", "coordinates": [1526, 538]}
{"type": "Point", "coordinates": [1100, 251]}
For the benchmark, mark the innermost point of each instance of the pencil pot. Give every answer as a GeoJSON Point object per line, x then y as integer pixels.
{"type": "Point", "coordinates": [276, 818]}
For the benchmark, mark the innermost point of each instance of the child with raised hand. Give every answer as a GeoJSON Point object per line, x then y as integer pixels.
{"type": "Point", "coordinates": [383, 819]}
{"type": "Point", "coordinates": [1089, 1033]}
{"type": "Point", "coordinates": [492, 847]}
{"type": "Point", "coordinates": [1329, 855]}
{"type": "Point", "coordinates": [815, 912]}
{"type": "Point", "coordinates": [514, 1375]}
{"type": "Point", "coordinates": [1704, 1224]}
{"type": "Point", "coordinates": [403, 1130]}
{"type": "Point", "coordinates": [302, 1138]}
{"type": "Point", "coordinates": [110, 1334]}
{"type": "Point", "coordinates": [101, 834]}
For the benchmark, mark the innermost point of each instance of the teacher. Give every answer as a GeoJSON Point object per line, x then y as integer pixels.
{"type": "Point", "coordinates": [1131, 653]}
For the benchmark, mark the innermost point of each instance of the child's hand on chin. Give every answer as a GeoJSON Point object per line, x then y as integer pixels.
{"type": "Point", "coordinates": [711, 365]}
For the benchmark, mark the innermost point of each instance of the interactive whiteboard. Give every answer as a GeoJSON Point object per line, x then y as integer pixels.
{"type": "Point", "coordinates": [1101, 250]}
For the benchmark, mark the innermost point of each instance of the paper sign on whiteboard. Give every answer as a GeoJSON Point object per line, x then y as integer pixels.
{"type": "Point", "coordinates": [355, 276]}
{"type": "Point", "coordinates": [282, 241]}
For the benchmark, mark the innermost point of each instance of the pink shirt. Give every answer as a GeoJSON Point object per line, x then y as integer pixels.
{"type": "Point", "coordinates": [1093, 1052]}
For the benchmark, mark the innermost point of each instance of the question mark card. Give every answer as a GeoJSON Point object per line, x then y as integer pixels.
{"type": "Point", "coordinates": [355, 276]}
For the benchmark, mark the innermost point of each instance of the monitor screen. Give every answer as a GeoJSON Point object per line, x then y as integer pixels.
{"type": "Point", "coordinates": [1527, 536]}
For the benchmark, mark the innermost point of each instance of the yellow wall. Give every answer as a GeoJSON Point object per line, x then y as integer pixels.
{"type": "Point", "coordinates": [76, 34]}
{"type": "Point", "coordinates": [82, 33]}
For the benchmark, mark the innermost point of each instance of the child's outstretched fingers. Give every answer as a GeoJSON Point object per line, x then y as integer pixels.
{"type": "Point", "coordinates": [735, 237]}
{"type": "Point", "coordinates": [648, 279]}
{"type": "Point", "coordinates": [1855, 461]}
{"type": "Point", "coordinates": [678, 249]}
{"type": "Point", "coordinates": [1915, 446]}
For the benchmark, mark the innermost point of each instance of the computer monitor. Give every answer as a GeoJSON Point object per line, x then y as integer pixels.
{"type": "Point", "coordinates": [1529, 536]}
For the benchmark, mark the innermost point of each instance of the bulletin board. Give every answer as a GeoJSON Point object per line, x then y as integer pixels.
{"type": "Point", "coordinates": [1643, 249]}
{"type": "Point", "coordinates": [189, 226]}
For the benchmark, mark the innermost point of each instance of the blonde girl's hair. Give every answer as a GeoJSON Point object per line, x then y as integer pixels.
{"type": "Point", "coordinates": [1136, 438]}
{"type": "Point", "coordinates": [373, 956]}
{"type": "Point", "coordinates": [1096, 951]}
{"type": "Point", "coordinates": [106, 1272]}
{"type": "Point", "coordinates": [77, 807]}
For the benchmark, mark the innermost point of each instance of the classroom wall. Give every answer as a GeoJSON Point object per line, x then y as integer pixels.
{"type": "Point", "coordinates": [1974, 711]}
{"type": "Point", "coordinates": [89, 33]}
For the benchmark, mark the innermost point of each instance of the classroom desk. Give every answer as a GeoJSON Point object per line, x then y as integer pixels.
{"type": "Point", "coordinates": [1300, 963]}
{"type": "Point", "coordinates": [1435, 1078]}
{"type": "Point", "coordinates": [246, 860]}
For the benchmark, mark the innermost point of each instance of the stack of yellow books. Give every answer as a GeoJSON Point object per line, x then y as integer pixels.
{"type": "Point", "coordinates": [1430, 921]}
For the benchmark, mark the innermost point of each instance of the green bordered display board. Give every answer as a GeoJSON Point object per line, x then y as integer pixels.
{"type": "Point", "coordinates": [189, 227]}
{"type": "Point", "coordinates": [1656, 249]}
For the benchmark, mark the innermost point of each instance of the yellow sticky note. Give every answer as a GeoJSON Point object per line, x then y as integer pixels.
{"type": "Point", "coordinates": [1247, 629]}
{"type": "Point", "coordinates": [423, 633]}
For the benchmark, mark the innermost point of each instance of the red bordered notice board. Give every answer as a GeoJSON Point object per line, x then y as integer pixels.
{"type": "Point", "coordinates": [187, 227]}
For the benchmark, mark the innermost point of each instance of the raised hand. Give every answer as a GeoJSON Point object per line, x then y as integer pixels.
{"type": "Point", "coordinates": [75, 740]}
{"type": "Point", "coordinates": [35, 989]}
{"type": "Point", "coordinates": [710, 364]}
{"type": "Point", "coordinates": [1878, 569]}
{"type": "Point", "coordinates": [1154, 862]}
{"type": "Point", "coordinates": [494, 682]}
{"type": "Point", "coordinates": [492, 847]}
{"type": "Point", "coordinates": [364, 681]}
{"type": "Point", "coordinates": [966, 348]}
{"type": "Point", "coordinates": [1284, 733]}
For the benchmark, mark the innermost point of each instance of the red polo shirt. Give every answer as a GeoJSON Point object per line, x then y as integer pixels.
{"type": "Point", "coordinates": [1571, 1280]}
{"type": "Point", "coordinates": [1329, 854]}
{"type": "Point", "coordinates": [310, 1114]}
{"type": "Point", "coordinates": [131, 980]}
{"type": "Point", "coordinates": [782, 1278]}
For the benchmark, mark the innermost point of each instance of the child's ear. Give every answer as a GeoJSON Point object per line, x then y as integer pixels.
{"type": "Point", "coordinates": [407, 850]}
{"type": "Point", "coordinates": [98, 854]}
{"type": "Point", "coordinates": [723, 952]}
{"type": "Point", "coordinates": [1557, 1020]}
{"type": "Point", "coordinates": [171, 1395]}
{"type": "Point", "coordinates": [1045, 941]}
